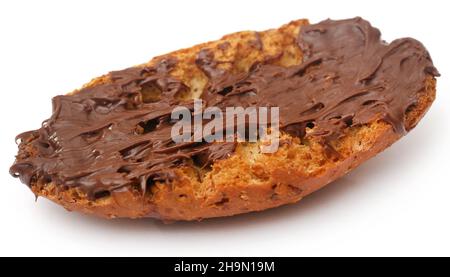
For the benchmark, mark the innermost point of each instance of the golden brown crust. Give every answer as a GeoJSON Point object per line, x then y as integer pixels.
{"type": "Point", "coordinates": [248, 180]}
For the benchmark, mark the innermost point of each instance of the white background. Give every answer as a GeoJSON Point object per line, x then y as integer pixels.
{"type": "Point", "coordinates": [398, 203]}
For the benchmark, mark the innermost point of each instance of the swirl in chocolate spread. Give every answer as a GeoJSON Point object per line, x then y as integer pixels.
{"type": "Point", "coordinates": [114, 135]}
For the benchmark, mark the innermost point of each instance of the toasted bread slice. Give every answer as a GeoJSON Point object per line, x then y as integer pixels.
{"type": "Point", "coordinates": [248, 180]}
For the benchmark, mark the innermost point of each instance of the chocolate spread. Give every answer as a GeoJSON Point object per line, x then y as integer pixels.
{"type": "Point", "coordinates": [112, 135]}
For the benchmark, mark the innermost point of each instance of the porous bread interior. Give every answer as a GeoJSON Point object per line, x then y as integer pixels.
{"type": "Point", "coordinates": [248, 180]}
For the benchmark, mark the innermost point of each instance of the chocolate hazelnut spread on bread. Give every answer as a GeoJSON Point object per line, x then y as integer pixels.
{"type": "Point", "coordinates": [117, 134]}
